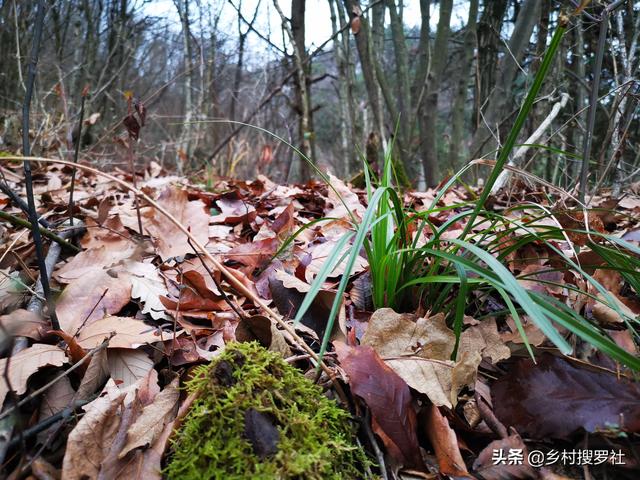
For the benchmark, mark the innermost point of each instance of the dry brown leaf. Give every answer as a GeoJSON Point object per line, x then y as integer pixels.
{"type": "Point", "coordinates": [168, 239]}
{"type": "Point", "coordinates": [147, 464]}
{"type": "Point", "coordinates": [26, 363]}
{"type": "Point", "coordinates": [56, 398]}
{"type": "Point", "coordinates": [319, 256]}
{"type": "Point", "coordinates": [234, 211]}
{"type": "Point", "coordinates": [389, 399]}
{"type": "Point", "coordinates": [94, 378]}
{"type": "Point", "coordinates": [350, 199]}
{"type": "Point", "coordinates": [445, 443]}
{"type": "Point", "coordinates": [24, 323]}
{"type": "Point", "coordinates": [148, 286]}
{"type": "Point", "coordinates": [534, 334]}
{"type": "Point", "coordinates": [43, 470]}
{"type": "Point", "coordinates": [484, 339]}
{"type": "Point", "coordinates": [431, 377]}
{"type": "Point", "coordinates": [82, 302]}
{"type": "Point", "coordinates": [89, 442]}
{"type": "Point", "coordinates": [291, 281]}
{"type": "Point", "coordinates": [419, 350]}
{"type": "Point", "coordinates": [605, 314]}
{"type": "Point", "coordinates": [394, 335]}
{"type": "Point", "coordinates": [113, 237]}
{"type": "Point", "coordinates": [154, 417]}
{"type": "Point", "coordinates": [129, 333]}
{"type": "Point", "coordinates": [127, 367]}
{"type": "Point", "coordinates": [96, 258]}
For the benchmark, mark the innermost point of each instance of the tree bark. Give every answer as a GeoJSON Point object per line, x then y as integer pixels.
{"type": "Point", "coordinates": [366, 62]}
{"type": "Point", "coordinates": [183, 150]}
{"type": "Point", "coordinates": [296, 33]}
{"type": "Point", "coordinates": [489, 28]}
{"type": "Point", "coordinates": [466, 64]}
{"type": "Point", "coordinates": [501, 95]}
{"type": "Point", "coordinates": [345, 89]}
{"type": "Point", "coordinates": [429, 117]}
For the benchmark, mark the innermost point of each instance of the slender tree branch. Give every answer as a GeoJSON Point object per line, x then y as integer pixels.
{"type": "Point", "coordinates": [47, 233]}
{"type": "Point", "coordinates": [75, 157]}
{"type": "Point", "coordinates": [33, 215]}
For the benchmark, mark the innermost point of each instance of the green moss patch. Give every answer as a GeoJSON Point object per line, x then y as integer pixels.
{"type": "Point", "coordinates": [258, 417]}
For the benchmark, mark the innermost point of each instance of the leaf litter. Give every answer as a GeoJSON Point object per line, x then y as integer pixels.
{"type": "Point", "coordinates": [162, 309]}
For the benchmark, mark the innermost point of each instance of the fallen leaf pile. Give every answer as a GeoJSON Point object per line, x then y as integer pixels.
{"type": "Point", "coordinates": [137, 310]}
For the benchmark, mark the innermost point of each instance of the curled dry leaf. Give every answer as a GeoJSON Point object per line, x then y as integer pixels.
{"type": "Point", "coordinates": [389, 399]}
{"type": "Point", "coordinates": [445, 443]}
{"type": "Point", "coordinates": [151, 422]}
{"type": "Point", "coordinates": [607, 315]}
{"type": "Point", "coordinates": [24, 323]}
{"type": "Point", "coordinates": [419, 350]}
{"type": "Point", "coordinates": [169, 240]}
{"type": "Point", "coordinates": [234, 211]}
{"type": "Point", "coordinates": [350, 199]}
{"type": "Point", "coordinates": [89, 442]}
{"type": "Point", "coordinates": [256, 254]}
{"type": "Point", "coordinates": [26, 363]}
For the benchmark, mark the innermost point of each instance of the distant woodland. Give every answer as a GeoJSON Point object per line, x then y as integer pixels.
{"type": "Point", "coordinates": [439, 90]}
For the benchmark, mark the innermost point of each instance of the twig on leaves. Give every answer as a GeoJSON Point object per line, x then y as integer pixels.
{"type": "Point", "coordinates": [33, 215]}
{"type": "Point", "coordinates": [44, 388]}
{"type": "Point", "coordinates": [64, 415]}
{"type": "Point", "coordinates": [17, 221]}
{"type": "Point", "coordinates": [225, 297]}
{"type": "Point", "coordinates": [76, 153]}
{"type": "Point", "coordinates": [88, 315]}
{"type": "Point", "coordinates": [233, 281]}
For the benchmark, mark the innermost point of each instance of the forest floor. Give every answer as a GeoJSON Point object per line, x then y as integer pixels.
{"type": "Point", "coordinates": [138, 311]}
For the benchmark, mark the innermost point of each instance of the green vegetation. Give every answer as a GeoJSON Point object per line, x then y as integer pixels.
{"type": "Point", "coordinates": [315, 437]}
{"type": "Point", "coordinates": [404, 272]}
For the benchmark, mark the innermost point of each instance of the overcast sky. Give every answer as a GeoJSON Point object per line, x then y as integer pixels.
{"type": "Point", "coordinates": [318, 22]}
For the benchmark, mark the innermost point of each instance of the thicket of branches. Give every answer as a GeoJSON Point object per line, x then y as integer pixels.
{"type": "Point", "coordinates": [445, 88]}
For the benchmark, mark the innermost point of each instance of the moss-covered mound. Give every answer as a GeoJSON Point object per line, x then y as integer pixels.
{"type": "Point", "coordinates": [257, 417]}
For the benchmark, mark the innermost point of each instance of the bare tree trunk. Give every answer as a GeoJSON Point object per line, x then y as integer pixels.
{"type": "Point", "coordinates": [362, 34]}
{"type": "Point", "coordinates": [296, 33]}
{"type": "Point", "coordinates": [345, 93]}
{"type": "Point", "coordinates": [459, 103]}
{"type": "Point", "coordinates": [242, 39]}
{"type": "Point", "coordinates": [580, 96]}
{"type": "Point", "coordinates": [183, 150]}
{"type": "Point", "coordinates": [489, 28]}
{"type": "Point", "coordinates": [628, 60]}
{"type": "Point", "coordinates": [401, 63]}
{"type": "Point", "coordinates": [506, 72]}
{"type": "Point", "coordinates": [429, 120]}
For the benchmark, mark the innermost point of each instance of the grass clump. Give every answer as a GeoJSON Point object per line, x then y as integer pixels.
{"type": "Point", "coordinates": [258, 417]}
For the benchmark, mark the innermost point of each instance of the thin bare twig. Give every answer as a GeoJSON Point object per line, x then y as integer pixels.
{"type": "Point", "coordinates": [45, 387]}
{"type": "Point", "coordinates": [33, 215]}
{"type": "Point", "coordinates": [75, 156]}
{"type": "Point", "coordinates": [47, 233]}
